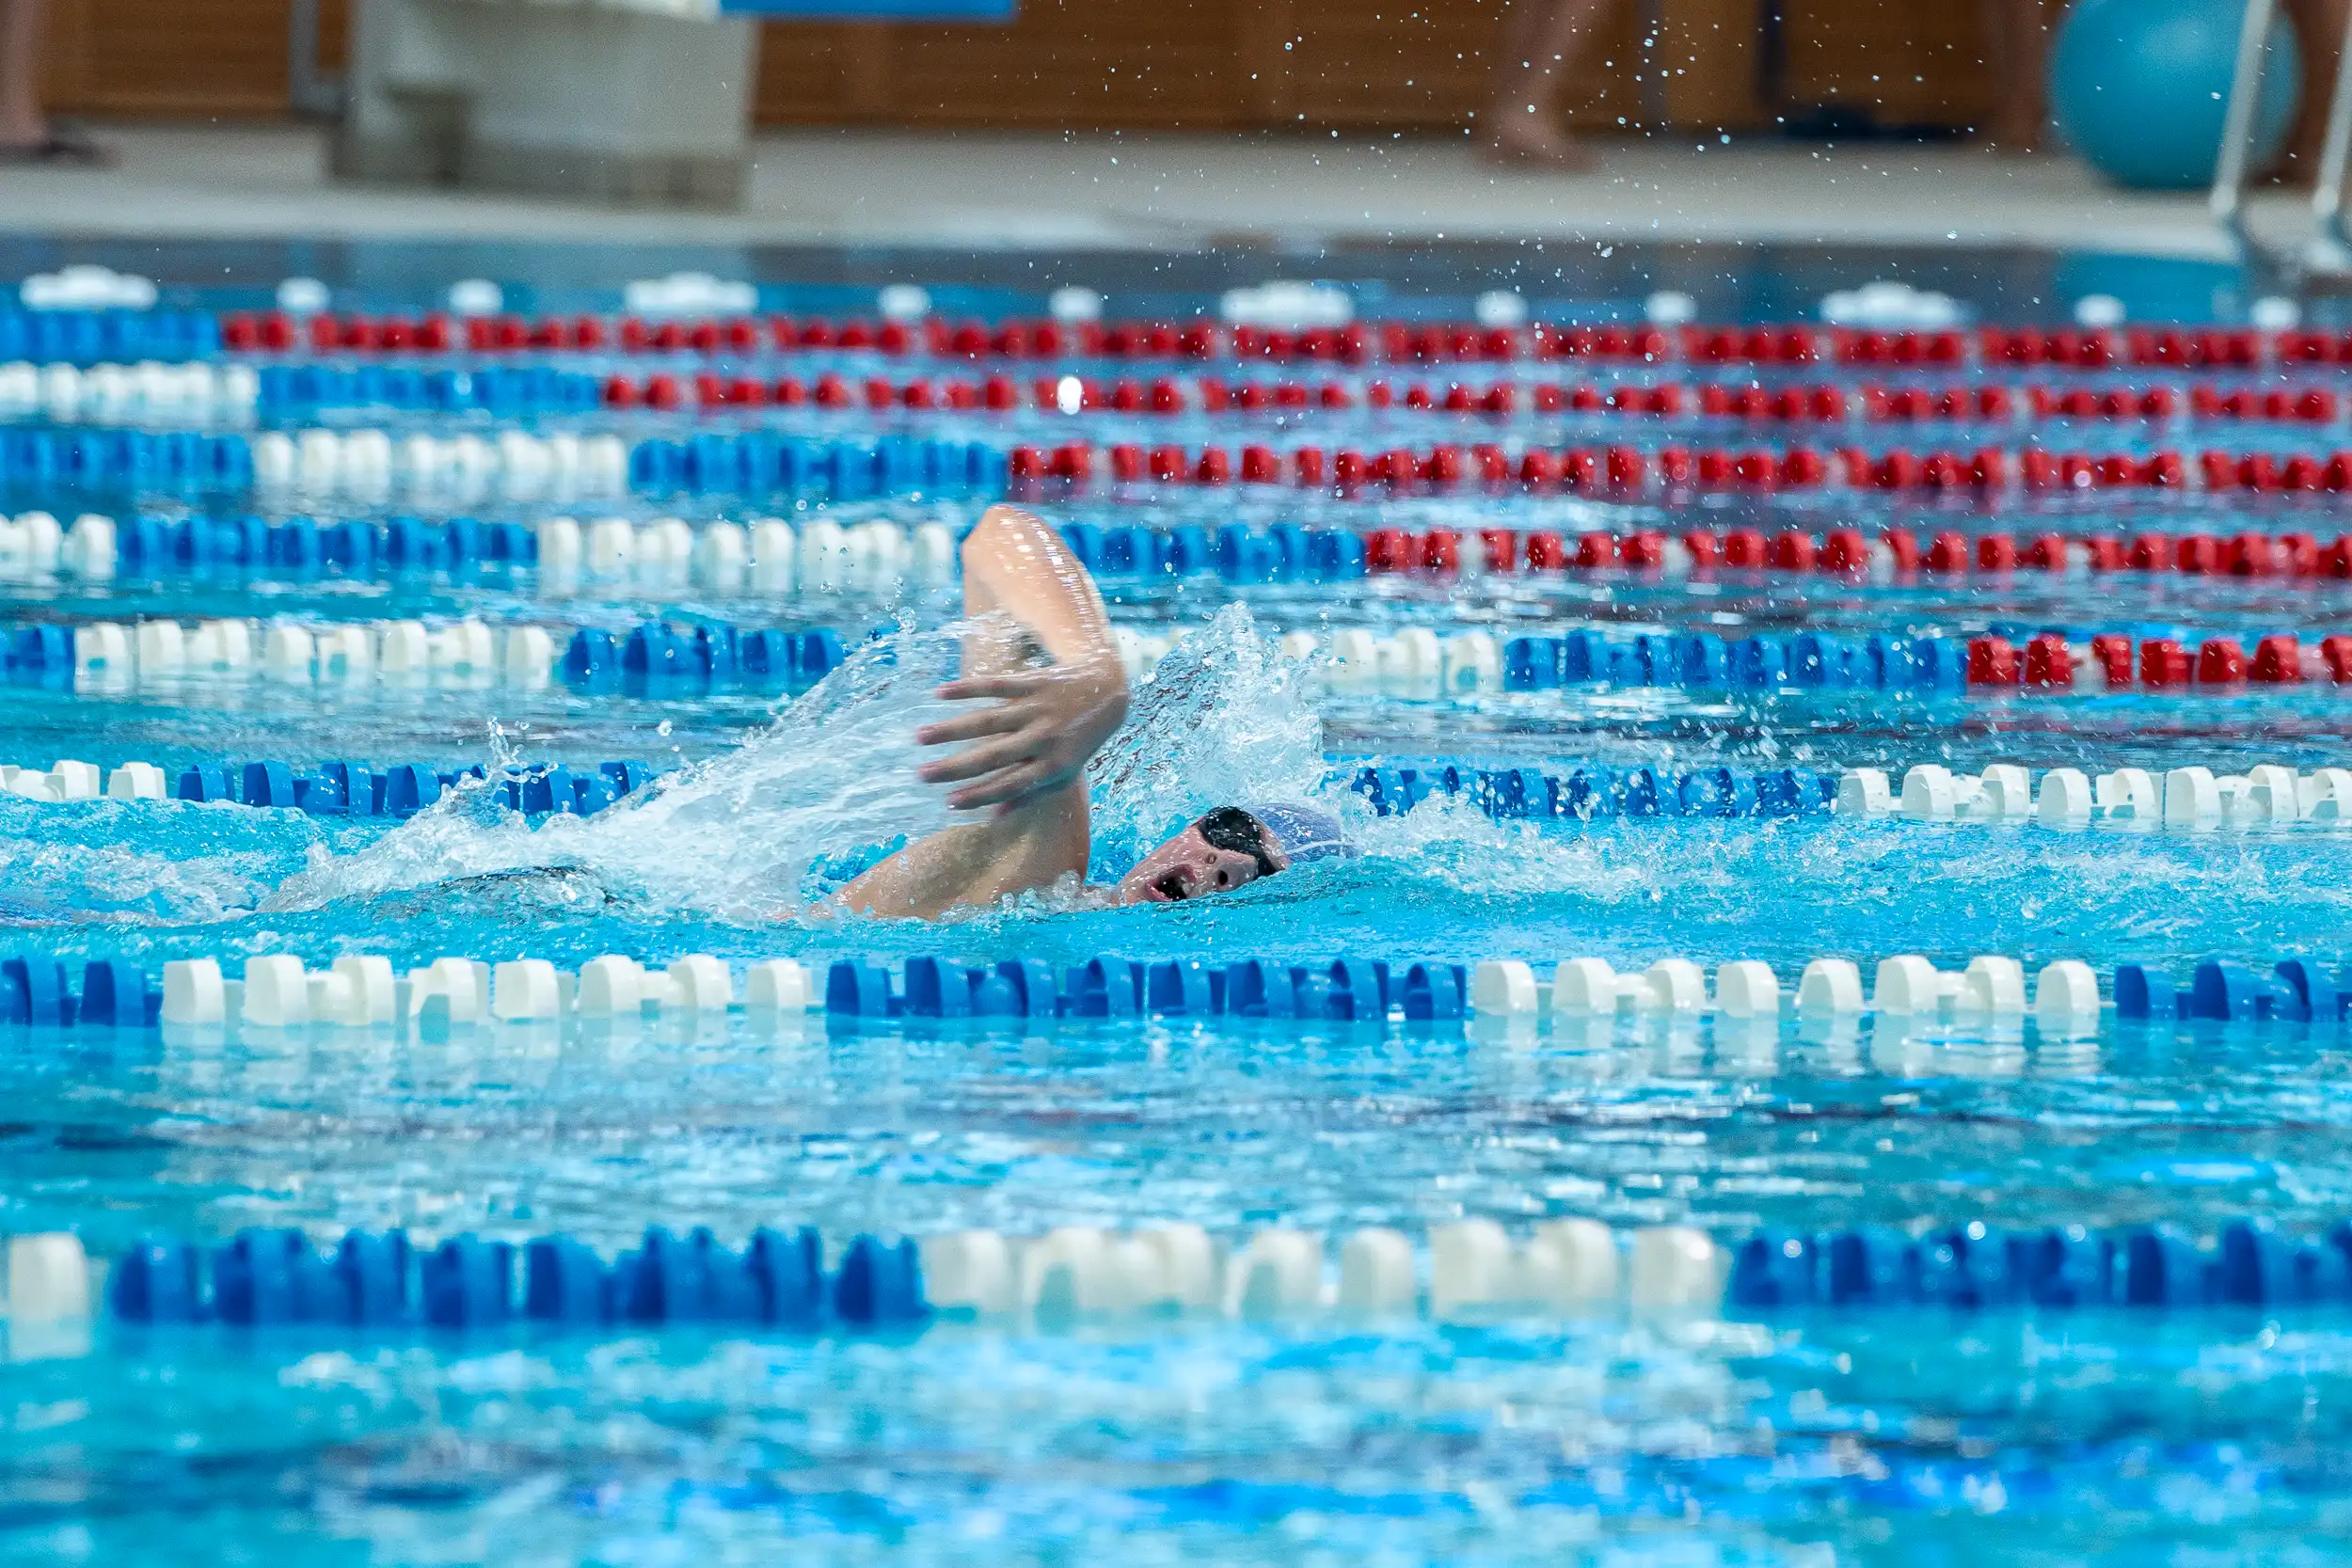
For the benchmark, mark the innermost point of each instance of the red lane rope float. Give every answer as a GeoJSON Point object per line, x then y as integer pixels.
{"type": "Point", "coordinates": [1360, 343]}
{"type": "Point", "coordinates": [2158, 663]}
{"type": "Point", "coordinates": [1628, 470]}
{"type": "Point", "coordinates": [1820, 404]}
{"type": "Point", "coordinates": [1834, 553]}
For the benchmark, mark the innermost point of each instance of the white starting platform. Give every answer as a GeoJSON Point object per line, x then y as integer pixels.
{"type": "Point", "coordinates": [624, 101]}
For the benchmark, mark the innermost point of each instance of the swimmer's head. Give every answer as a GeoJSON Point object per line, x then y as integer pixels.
{"type": "Point", "coordinates": [1231, 848]}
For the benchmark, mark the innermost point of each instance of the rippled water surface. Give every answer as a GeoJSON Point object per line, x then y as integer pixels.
{"type": "Point", "coordinates": [1868, 1437]}
{"type": "Point", "coordinates": [1808, 1438]}
{"type": "Point", "coordinates": [1800, 1439]}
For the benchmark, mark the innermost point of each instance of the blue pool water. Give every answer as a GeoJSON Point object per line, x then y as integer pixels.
{"type": "Point", "coordinates": [1795, 1435]}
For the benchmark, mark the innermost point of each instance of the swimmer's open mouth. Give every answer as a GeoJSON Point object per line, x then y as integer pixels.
{"type": "Point", "coordinates": [1169, 885]}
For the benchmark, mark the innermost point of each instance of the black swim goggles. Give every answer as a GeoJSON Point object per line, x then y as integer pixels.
{"type": "Point", "coordinates": [1233, 828]}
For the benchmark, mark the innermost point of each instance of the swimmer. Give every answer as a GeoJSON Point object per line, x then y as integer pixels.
{"type": "Point", "coordinates": [1057, 691]}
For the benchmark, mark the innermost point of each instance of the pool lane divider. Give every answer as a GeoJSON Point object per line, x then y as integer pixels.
{"type": "Point", "coordinates": [282, 394]}
{"type": "Point", "coordinates": [1464, 1272]}
{"type": "Point", "coordinates": [1283, 552]}
{"type": "Point", "coordinates": [82, 337]}
{"type": "Point", "coordinates": [1412, 663]}
{"type": "Point", "coordinates": [373, 465]}
{"type": "Point", "coordinates": [770, 556]}
{"type": "Point", "coordinates": [1822, 661]}
{"type": "Point", "coordinates": [1596, 792]}
{"type": "Point", "coordinates": [88, 336]}
{"type": "Point", "coordinates": [765, 557]}
{"type": "Point", "coordinates": [2063, 997]}
{"type": "Point", "coordinates": [366, 991]}
{"type": "Point", "coordinates": [768, 464]}
{"type": "Point", "coordinates": [790, 1281]}
{"type": "Point", "coordinates": [2191, 798]}
{"type": "Point", "coordinates": [240, 392]}
{"type": "Point", "coordinates": [1419, 663]}
{"type": "Point", "coordinates": [657, 657]}
{"type": "Point", "coordinates": [350, 787]}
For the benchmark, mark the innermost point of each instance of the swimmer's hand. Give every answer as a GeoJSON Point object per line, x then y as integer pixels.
{"type": "Point", "coordinates": [1044, 724]}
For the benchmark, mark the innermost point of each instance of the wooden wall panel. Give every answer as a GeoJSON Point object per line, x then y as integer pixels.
{"type": "Point", "coordinates": [1107, 62]}
{"type": "Point", "coordinates": [1711, 54]}
{"type": "Point", "coordinates": [1390, 62]}
{"type": "Point", "coordinates": [1205, 65]}
{"type": "Point", "coordinates": [800, 76]}
{"type": "Point", "coordinates": [1163, 63]}
{"type": "Point", "coordinates": [1404, 64]}
{"type": "Point", "coordinates": [168, 57]}
{"type": "Point", "coordinates": [1904, 62]}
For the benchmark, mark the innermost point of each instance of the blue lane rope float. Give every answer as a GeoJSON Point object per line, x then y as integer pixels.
{"type": "Point", "coordinates": [151, 545]}
{"type": "Point", "coordinates": [265, 1277]}
{"type": "Point", "coordinates": [768, 464]}
{"type": "Point", "coordinates": [1806, 661]}
{"type": "Point", "coordinates": [88, 336]}
{"type": "Point", "coordinates": [355, 789]}
{"type": "Point", "coordinates": [343, 788]}
{"type": "Point", "coordinates": [1597, 792]}
{"type": "Point", "coordinates": [1976, 1266]}
{"type": "Point", "coordinates": [1112, 988]}
{"type": "Point", "coordinates": [37, 989]}
{"type": "Point", "coordinates": [2301, 990]}
{"type": "Point", "coordinates": [185, 463]}
{"type": "Point", "coordinates": [704, 653]}
{"type": "Point", "coordinates": [503, 392]}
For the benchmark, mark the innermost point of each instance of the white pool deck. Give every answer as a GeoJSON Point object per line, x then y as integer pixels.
{"type": "Point", "coordinates": [1173, 192]}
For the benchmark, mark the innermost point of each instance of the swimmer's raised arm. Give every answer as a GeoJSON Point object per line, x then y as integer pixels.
{"type": "Point", "coordinates": [1049, 720]}
{"type": "Point", "coordinates": [1030, 748]}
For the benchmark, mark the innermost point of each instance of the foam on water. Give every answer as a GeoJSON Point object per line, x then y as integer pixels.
{"type": "Point", "coordinates": [1224, 718]}
{"type": "Point", "coordinates": [147, 863]}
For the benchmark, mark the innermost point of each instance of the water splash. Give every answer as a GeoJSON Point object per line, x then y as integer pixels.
{"type": "Point", "coordinates": [1223, 719]}
{"type": "Point", "coordinates": [155, 863]}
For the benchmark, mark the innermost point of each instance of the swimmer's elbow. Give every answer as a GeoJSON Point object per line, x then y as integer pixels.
{"type": "Point", "coordinates": [990, 535]}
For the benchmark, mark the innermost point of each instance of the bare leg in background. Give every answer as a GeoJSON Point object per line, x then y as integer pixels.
{"type": "Point", "coordinates": [2319, 28]}
{"type": "Point", "coordinates": [1541, 43]}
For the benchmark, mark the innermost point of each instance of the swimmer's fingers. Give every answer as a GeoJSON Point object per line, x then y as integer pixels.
{"type": "Point", "coordinates": [972, 763]}
{"type": "Point", "coordinates": [1006, 688]}
{"type": "Point", "coordinates": [1006, 790]}
{"type": "Point", "coordinates": [1005, 719]}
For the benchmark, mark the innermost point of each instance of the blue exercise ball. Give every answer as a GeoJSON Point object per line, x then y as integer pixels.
{"type": "Point", "coordinates": [2141, 88]}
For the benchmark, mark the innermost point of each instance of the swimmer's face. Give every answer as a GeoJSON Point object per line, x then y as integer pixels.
{"type": "Point", "coordinates": [1226, 849]}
